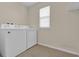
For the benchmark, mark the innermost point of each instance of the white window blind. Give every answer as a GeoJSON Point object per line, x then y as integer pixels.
{"type": "Point", "coordinates": [45, 17]}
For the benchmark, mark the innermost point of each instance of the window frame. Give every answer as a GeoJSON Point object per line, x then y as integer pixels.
{"type": "Point", "coordinates": [45, 16]}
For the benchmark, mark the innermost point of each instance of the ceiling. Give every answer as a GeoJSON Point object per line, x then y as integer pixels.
{"type": "Point", "coordinates": [28, 3]}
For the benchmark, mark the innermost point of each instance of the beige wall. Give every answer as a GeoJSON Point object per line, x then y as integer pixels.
{"type": "Point", "coordinates": [64, 31]}
{"type": "Point", "coordinates": [13, 12]}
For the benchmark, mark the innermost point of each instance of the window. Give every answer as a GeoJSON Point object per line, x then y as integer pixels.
{"type": "Point", "coordinates": [44, 17]}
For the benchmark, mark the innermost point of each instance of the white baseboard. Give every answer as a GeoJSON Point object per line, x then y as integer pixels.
{"type": "Point", "coordinates": [60, 49]}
